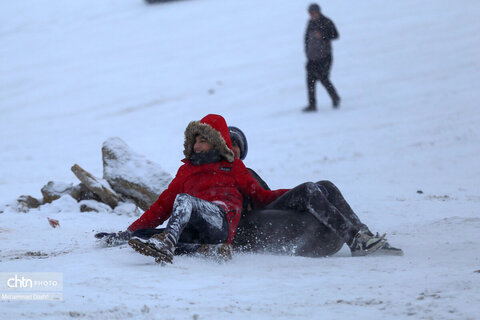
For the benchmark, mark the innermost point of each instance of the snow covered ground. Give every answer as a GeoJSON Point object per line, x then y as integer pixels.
{"type": "Point", "coordinates": [74, 73]}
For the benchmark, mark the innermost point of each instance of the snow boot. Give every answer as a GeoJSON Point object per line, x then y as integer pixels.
{"type": "Point", "coordinates": [309, 109]}
{"type": "Point", "coordinates": [220, 252]}
{"type": "Point", "coordinates": [161, 246]}
{"type": "Point", "coordinates": [365, 243]}
{"type": "Point", "coordinates": [336, 102]}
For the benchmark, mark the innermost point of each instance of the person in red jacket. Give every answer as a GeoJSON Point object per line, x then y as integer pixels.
{"type": "Point", "coordinates": [204, 201]}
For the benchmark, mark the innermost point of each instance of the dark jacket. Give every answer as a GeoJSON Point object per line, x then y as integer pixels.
{"type": "Point", "coordinates": [224, 183]}
{"type": "Point", "coordinates": [318, 48]}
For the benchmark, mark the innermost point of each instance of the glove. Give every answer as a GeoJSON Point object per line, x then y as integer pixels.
{"type": "Point", "coordinates": [114, 239]}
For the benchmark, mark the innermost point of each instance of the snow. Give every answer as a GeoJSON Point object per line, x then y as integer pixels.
{"type": "Point", "coordinates": [77, 73]}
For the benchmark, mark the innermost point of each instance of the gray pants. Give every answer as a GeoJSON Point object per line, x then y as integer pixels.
{"type": "Point", "coordinates": [194, 220]}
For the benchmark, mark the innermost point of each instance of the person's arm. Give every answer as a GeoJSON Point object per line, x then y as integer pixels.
{"type": "Point", "coordinates": [332, 30]}
{"type": "Point", "coordinates": [161, 209]}
{"type": "Point", "coordinates": [307, 31]}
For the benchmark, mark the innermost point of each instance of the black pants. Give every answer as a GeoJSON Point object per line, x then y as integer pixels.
{"type": "Point", "coordinates": [331, 209]}
{"type": "Point", "coordinates": [320, 71]}
{"type": "Point", "coordinates": [335, 197]}
{"type": "Point", "coordinates": [193, 221]}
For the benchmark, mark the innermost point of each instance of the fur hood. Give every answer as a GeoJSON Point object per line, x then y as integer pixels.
{"type": "Point", "coordinates": [214, 128]}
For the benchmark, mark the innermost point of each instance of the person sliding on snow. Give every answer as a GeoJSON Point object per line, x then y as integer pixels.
{"type": "Point", "coordinates": [204, 200]}
{"type": "Point", "coordinates": [324, 194]}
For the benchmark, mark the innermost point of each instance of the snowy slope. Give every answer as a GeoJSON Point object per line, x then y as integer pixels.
{"type": "Point", "coordinates": [76, 73]}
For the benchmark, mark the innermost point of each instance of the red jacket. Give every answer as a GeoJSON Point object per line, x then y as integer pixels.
{"type": "Point", "coordinates": [222, 182]}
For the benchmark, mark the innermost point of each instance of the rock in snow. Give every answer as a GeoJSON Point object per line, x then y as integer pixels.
{"type": "Point", "coordinates": [131, 174]}
{"type": "Point", "coordinates": [26, 202]}
{"type": "Point", "coordinates": [126, 176]}
{"type": "Point", "coordinates": [53, 190]}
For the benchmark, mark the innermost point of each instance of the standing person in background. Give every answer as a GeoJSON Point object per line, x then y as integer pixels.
{"type": "Point", "coordinates": [318, 36]}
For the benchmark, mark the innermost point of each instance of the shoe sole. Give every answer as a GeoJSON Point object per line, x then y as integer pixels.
{"type": "Point", "coordinates": [385, 252]}
{"type": "Point", "coordinates": [146, 250]}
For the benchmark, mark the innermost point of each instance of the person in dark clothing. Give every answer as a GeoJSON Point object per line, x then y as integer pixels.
{"type": "Point", "coordinates": [336, 223]}
{"type": "Point", "coordinates": [318, 49]}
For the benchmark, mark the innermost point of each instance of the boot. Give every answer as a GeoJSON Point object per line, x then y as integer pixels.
{"type": "Point", "coordinates": [161, 246]}
{"type": "Point", "coordinates": [365, 243]}
{"type": "Point", "coordinates": [336, 102]}
{"type": "Point", "coordinates": [309, 108]}
{"type": "Point", "coordinates": [220, 252]}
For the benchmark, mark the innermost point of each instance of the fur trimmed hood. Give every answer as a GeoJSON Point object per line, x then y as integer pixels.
{"type": "Point", "coordinates": [214, 128]}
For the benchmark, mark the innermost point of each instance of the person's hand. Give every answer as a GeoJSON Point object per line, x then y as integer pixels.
{"type": "Point", "coordinates": [318, 35]}
{"type": "Point", "coordinates": [114, 239]}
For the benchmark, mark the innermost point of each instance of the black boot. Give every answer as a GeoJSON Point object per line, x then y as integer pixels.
{"type": "Point", "coordinates": [309, 109]}
{"type": "Point", "coordinates": [336, 102]}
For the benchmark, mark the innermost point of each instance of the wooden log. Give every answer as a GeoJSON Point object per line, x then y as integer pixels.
{"type": "Point", "coordinates": [100, 187]}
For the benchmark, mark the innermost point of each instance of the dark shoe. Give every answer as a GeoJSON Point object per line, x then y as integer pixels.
{"type": "Point", "coordinates": [336, 103]}
{"type": "Point", "coordinates": [161, 246]}
{"type": "Point", "coordinates": [365, 243]}
{"type": "Point", "coordinates": [220, 252]}
{"type": "Point", "coordinates": [309, 109]}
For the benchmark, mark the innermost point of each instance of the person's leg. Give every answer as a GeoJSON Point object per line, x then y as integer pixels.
{"type": "Point", "coordinates": [195, 220]}
{"type": "Point", "coordinates": [324, 77]}
{"type": "Point", "coordinates": [308, 197]}
{"type": "Point", "coordinates": [336, 198]}
{"type": "Point", "coordinates": [311, 80]}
